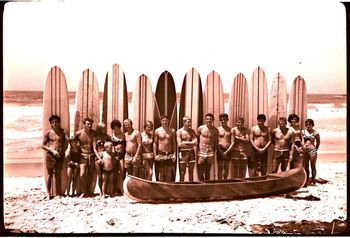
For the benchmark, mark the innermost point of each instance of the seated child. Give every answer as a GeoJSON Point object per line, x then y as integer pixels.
{"type": "Point", "coordinates": [73, 164]}
{"type": "Point", "coordinates": [108, 160]}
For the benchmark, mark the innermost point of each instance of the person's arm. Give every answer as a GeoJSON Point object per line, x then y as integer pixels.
{"type": "Point", "coordinates": [268, 140]}
{"type": "Point", "coordinates": [233, 138]}
{"type": "Point", "coordinates": [139, 143]}
{"type": "Point", "coordinates": [318, 140]}
{"type": "Point", "coordinates": [216, 142]}
{"type": "Point", "coordinates": [47, 148]}
{"type": "Point", "coordinates": [155, 145]}
{"type": "Point", "coordinates": [173, 135]}
{"type": "Point", "coordinates": [292, 146]}
{"type": "Point", "coordinates": [252, 139]}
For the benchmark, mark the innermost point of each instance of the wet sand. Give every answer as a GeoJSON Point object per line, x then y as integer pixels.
{"type": "Point", "coordinates": [319, 209]}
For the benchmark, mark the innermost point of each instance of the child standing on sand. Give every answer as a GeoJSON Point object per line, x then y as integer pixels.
{"type": "Point", "coordinates": [73, 164]}
{"type": "Point", "coordinates": [108, 161]}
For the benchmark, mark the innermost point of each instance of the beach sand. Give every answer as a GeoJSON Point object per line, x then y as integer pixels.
{"type": "Point", "coordinates": [318, 209]}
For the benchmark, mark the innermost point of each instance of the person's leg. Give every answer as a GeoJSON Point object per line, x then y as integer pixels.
{"type": "Point", "coordinates": [220, 167]}
{"type": "Point", "coordinates": [98, 169]}
{"type": "Point", "coordinates": [75, 177]}
{"type": "Point", "coordinates": [243, 167]}
{"type": "Point", "coordinates": [313, 159]}
{"type": "Point", "coordinates": [70, 179]}
{"type": "Point", "coordinates": [276, 161]}
{"type": "Point", "coordinates": [284, 162]}
{"type": "Point", "coordinates": [182, 168]}
{"type": "Point", "coordinates": [105, 179]}
{"type": "Point", "coordinates": [306, 166]}
{"type": "Point", "coordinates": [48, 182]}
{"type": "Point", "coordinates": [201, 168]}
{"type": "Point", "coordinates": [82, 176]}
{"type": "Point", "coordinates": [191, 165]}
{"type": "Point", "coordinates": [209, 164]}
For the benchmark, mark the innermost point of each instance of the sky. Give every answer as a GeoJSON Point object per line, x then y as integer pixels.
{"type": "Point", "coordinates": [306, 38]}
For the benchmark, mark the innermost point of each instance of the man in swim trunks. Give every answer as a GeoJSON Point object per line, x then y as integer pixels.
{"type": "Point", "coordinates": [147, 150]}
{"type": "Point", "coordinates": [283, 139]}
{"type": "Point", "coordinates": [208, 144]}
{"type": "Point", "coordinates": [224, 160]}
{"type": "Point", "coordinates": [133, 161]}
{"type": "Point", "coordinates": [187, 142]}
{"type": "Point", "coordinates": [164, 149]}
{"type": "Point", "coordinates": [86, 137]}
{"type": "Point", "coordinates": [298, 154]}
{"type": "Point", "coordinates": [240, 140]}
{"type": "Point", "coordinates": [55, 142]}
{"type": "Point", "coordinates": [260, 141]}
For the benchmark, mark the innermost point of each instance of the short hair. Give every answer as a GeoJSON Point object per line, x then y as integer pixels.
{"type": "Point", "coordinates": [129, 120]}
{"type": "Point", "coordinates": [310, 121]}
{"type": "Point", "coordinates": [54, 117]}
{"type": "Point", "coordinates": [88, 119]}
{"type": "Point", "coordinates": [185, 118]}
{"type": "Point", "coordinates": [261, 117]}
{"type": "Point", "coordinates": [240, 119]}
{"type": "Point", "coordinates": [116, 123]}
{"type": "Point", "coordinates": [101, 124]}
{"type": "Point", "coordinates": [282, 119]}
{"type": "Point", "coordinates": [223, 116]}
{"type": "Point", "coordinates": [293, 116]}
{"type": "Point", "coordinates": [209, 115]}
{"type": "Point", "coordinates": [164, 116]}
{"type": "Point", "coordinates": [147, 123]}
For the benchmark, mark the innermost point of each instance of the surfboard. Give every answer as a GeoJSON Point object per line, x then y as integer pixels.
{"type": "Point", "coordinates": [277, 109]}
{"type": "Point", "coordinates": [258, 94]}
{"type": "Point", "coordinates": [55, 102]}
{"type": "Point", "coordinates": [115, 97]}
{"type": "Point", "coordinates": [165, 104]}
{"type": "Point", "coordinates": [213, 102]}
{"type": "Point", "coordinates": [238, 102]}
{"type": "Point", "coordinates": [142, 103]}
{"type": "Point", "coordinates": [87, 104]}
{"type": "Point", "coordinates": [213, 96]}
{"type": "Point", "coordinates": [191, 104]}
{"type": "Point", "coordinates": [298, 100]}
{"type": "Point", "coordinates": [115, 106]}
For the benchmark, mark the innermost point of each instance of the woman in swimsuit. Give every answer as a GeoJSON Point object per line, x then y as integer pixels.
{"type": "Point", "coordinates": [298, 155]}
{"type": "Point", "coordinates": [147, 149]}
{"type": "Point", "coordinates": [119, 143]}
{"type": "Point", "coordinates": [311, 136]}
{"type": "Point", "coordinates": [73, 165]}
{"type": "Point", "coordinates": [99, 147]}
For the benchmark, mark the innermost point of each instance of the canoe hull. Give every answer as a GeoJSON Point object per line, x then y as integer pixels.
{"type": "Point", "coordinates": [234, 189]}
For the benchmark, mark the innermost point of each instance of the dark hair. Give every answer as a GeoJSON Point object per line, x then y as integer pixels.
{"type": "Point", "coordinates": [223, 116]}
{"type": "Point", "coordinates": [147, 123]}
{"type": "Point", "coordinates": [240, 119]}
{"type": "Point", "coordinates": [115, 123]}
{"type": "Point", "coordinates": [163, 116]}
{"type": "Point", "coordinates": [261, 117]}
{"type": "Point", "coordinates": [310, 121]}
{"type": "Point", "coordinates": [88, 119]}
{"type": "Point", "coordinates": [129, 120]}
{"type": "Point", "coordinates": [282, 119]}
{"type": "Point", "coordinates": [293, 116]}
{"type": "Point", "coordinates": [209, 115]}
{"type": "Point", "coordinates": [54, 117]}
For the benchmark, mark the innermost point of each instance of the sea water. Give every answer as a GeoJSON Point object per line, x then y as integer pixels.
{"type": "Point", "coordinates": [22, 122]}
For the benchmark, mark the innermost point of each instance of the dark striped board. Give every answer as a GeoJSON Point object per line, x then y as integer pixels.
{"type": "Point", "coordinates": [277, 109]}
{"type": "Point", "coordinates": [142, 103]}
{"type": "Point", "coordinates": [165, 104]}
{"type": "Point", "coordinates": [55, 102]}
{"type": "Point", "coordinates": [298, 100]}
{"type": "Point", "coordinates": [258, 94]}
{"type": "Point", "coordinates": [115, 97]}
{"type": "Point", "coordinates": [87, 105]}
{"type": "Point", "coordinates": [238, 102]}
{"type": "Point", "coordinates": [191, 104]}
{"type": "Point", "coordinates": [213, 96]}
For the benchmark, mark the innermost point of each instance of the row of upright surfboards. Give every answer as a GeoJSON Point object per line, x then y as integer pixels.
{"type": "Point", "coordinates": [194, 101]}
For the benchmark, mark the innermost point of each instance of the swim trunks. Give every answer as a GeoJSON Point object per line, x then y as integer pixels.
{"type": "Point", "coordinates": [87, 158]}
{"type": "Point", "coordinates": [187, 156]}
{"type": "Point", "coordinates": [52, 163]}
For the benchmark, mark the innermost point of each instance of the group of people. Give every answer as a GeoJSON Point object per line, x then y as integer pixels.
{"type": "Point", "coordinates": [93, 153]}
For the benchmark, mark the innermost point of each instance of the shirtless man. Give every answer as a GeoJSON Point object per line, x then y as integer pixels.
{"type": "Point", "coordinates": [208, 144]}
{"type": "Point", "coordinates": [164, 149]}
{"type": "Point", "coordinates": [224, 159]}
{"type": "Point", "coordinates": [187, 142]}
{"type": "Point", "coordinates": [133, 148]}
{"type": "Point", "coordinates": [260, 141]}
{"type": "Point", "coordinates": [298, 154]}
{"type": "Point", "coordinates": [55, 142]}
{"type": "Point", "coordinates": [87, 139]}
{"type": "Point", "coordinates": [240, 139]}
{"type": "Point", "coordinates": [147, 150]}
{"type": "Point", "coordinates": [283, 139]}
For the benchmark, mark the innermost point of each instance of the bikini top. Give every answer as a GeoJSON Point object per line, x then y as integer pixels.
{"type": "Point", "coordinates": [308, 136]}
{"type": "Point", "coordinates": [146, 140]}
{"type": "Point", "coordinates": [116, 141]}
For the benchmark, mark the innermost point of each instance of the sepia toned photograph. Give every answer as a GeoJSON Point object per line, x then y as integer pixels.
{"type": "Point", "coordinates": [174, 117]}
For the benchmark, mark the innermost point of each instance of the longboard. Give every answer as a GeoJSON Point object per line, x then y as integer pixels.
{"type": "Point", "coordinates": [214, 103]}
{"type": "Point", "coordinates": [87, 105]}
{"type": "Point", "coordinates": [115, 97]}
{"type": "Point", "coordinates": [191, 104]}
{"type": "Point", "coordinates": [277, 109]}
{"type": "Point", "coordinates": [55, 102]}
{"type": "Point", "coordinates": [238, 102]}
{"type": "Point", "coordinates": [165, 104]}
{"type": "Point", "coordinates": [115, 106]}
{"type": "Point", "coordinates": [298, 100]}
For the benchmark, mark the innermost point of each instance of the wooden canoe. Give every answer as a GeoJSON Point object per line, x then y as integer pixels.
{"type": "Point", "coordinates": [232, 189]}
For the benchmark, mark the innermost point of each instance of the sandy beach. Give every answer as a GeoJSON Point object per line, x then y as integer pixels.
{"type": "Point", "coordinates": [318, 209]}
